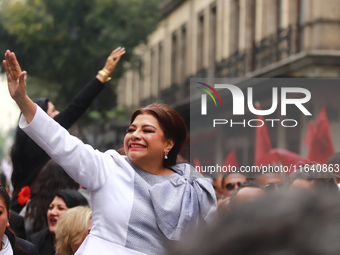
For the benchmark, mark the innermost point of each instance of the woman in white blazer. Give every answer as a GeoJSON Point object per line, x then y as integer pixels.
{"type": "Point", "coordinates": [140, 200]}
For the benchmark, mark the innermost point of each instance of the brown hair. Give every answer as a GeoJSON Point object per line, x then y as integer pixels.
{"type": "Point", "coordinates": [172, 125]}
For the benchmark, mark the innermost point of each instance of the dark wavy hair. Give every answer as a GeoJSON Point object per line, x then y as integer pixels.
{"type": "Point", "coordinates": [172, 124]}
{"type": "Point", "coordinates": [72, 198]}
{"type": "Point", "coordinates": [50, 180]}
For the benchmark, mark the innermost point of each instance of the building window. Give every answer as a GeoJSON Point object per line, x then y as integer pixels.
{"type": "Point", "coordinates": [183, 54]}
{"type": "Point", "coordinates": [140, 70]}
{"type": "Point", "coordinates": [212, 37]}
{"type": "Point", "coordinates": [235, 25]}
{"type": "Point", "coordinates": [174, 75]}
{"type": "Point", "coordinates": [200, 42]}
{"type": "Point", "coordinates": [152, 72]}
{"type": "Point", "coordinates": [252, 19]}
{"type": "Point", "coordinates": [252, 14]}
{"type": "Point", "coordinates": [160, 66]}
{"type": "Point", "coordinates": [299, 25]}
{"type": "Point", "coordinates": [278, 14]}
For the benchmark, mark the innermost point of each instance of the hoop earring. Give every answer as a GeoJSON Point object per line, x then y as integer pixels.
{"type": "Point", "coordinates": [166, 155]}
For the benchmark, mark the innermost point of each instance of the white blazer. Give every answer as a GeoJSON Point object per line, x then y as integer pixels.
{"type": "Point", "coordinates": [111, 180]}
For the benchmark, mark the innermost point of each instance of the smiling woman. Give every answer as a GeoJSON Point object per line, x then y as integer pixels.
{"type": "Point", "coordinates": [140, 201]}
{"type": "Point", "coordinates": [154, 138]}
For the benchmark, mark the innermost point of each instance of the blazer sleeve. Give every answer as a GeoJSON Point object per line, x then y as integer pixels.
{"type": "Point", "coordinates": [79, 104]}
{"type": "Point", "coordinates": [87, 166]}
{"type": "Point", "coordinates": [34, 157]}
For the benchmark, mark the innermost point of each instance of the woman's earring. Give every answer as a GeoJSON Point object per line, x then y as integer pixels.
{"type": "Point", "coordinates": [166, 155]}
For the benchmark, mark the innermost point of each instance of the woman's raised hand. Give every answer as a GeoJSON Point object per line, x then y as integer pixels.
{"type": "Point", "coordinates": [15, 77]}
{"type": "Point", "coordinates": [17, 85]}
{"type": "Point", "coordinates": [113, 59]}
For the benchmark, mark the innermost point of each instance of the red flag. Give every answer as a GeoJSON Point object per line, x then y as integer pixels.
{"type": "Point", "coordinates": [262, 141]}
{"type": "Point", "coordinates": [282, 157]}
{"type": "Point", "coordinates": [309, 134]}
{"type": "Point", "coordinates": [322, 144]}
{"type": "Point", "coordinates": [231, 159]}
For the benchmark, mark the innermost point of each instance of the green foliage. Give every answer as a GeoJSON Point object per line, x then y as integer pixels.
{"type": "Point", "coordinates": [95, 115]}
{"type": "Point", "coordinates": [28, 21]}
{"type": "Point", "coordinates": [64, 43]}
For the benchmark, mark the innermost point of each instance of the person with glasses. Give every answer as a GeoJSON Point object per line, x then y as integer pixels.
{"type": "Point", "coordinates": [232, 181]}
{"type": "Point", "coordinates": [270, 181]}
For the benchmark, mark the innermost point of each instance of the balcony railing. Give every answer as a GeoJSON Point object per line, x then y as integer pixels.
{"type": "Point", "coordinates": [234, 66]}
{"type": "Point", "coordinates": [273, 48]}
{"type": "Point", "coordinates": [269, 50]}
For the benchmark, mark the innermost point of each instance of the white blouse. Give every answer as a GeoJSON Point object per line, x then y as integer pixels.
{"type": "Point", "coordinates": [6, 246]}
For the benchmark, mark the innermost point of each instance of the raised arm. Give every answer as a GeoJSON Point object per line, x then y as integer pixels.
{"type": "Point", "coordinates": [31, 157]}
{"type": "Point", "coordinates": [84, 164]}
{"type": "Point", "coordinates": [84, 98]}
{"type": "Point", "coordinates": [17, 86]}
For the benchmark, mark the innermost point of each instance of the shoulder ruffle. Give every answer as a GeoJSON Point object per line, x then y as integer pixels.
{"type": "Point", "coordinates": [180, 203]}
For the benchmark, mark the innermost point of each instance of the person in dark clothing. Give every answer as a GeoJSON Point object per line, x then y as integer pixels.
{"type": "Point", "coordinates": [27, 157]}
{"type": "Point", "coordinates": [9, 243]}
{"type": "Point", "coordinates": [17, 224]}
{"type": "Point", "coordinates": [43, 240]}
{"type": "Point", "coordinates": [64, 200]}
{"type": "Point", "coordinates": [30, 248]}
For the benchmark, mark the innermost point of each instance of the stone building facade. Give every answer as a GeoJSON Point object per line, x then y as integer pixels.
{"type": "Point", "coordinates": [239, 38]}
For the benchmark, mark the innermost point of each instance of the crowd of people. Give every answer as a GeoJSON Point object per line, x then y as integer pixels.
{"type": "Point", "coordinates": [70, 198]}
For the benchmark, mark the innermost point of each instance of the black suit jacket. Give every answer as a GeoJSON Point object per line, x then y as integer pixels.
{"type": "Point", "coordinates": [17, 224]}
{"type": "Point", "coordinates": [43, 240]}
{"type": "Point", "coordinates": [30, 248]}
